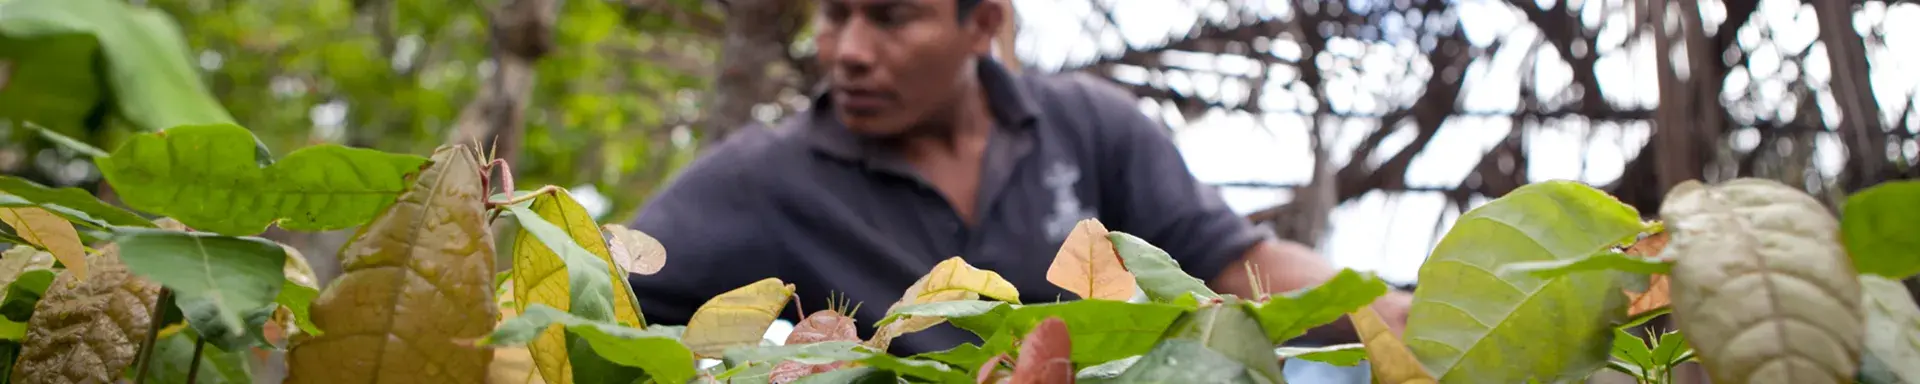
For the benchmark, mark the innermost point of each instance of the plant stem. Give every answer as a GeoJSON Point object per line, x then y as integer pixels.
{"type": "Point", "coordinates": [193, 369]}
{"type": "Point", "coordinates": [153, 333]}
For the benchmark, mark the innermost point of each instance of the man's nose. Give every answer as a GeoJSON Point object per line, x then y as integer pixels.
{"type": "Point", "coordinates": [854, 51]}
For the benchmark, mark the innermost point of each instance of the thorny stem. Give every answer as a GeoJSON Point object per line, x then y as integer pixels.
{"type": "Point", "coordinates": [153, 334]}
{"type": "Point", "coordinates": [193, 369]}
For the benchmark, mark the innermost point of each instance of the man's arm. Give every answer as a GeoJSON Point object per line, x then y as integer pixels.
{"type": "Point", "coordinates": [1150, 192]}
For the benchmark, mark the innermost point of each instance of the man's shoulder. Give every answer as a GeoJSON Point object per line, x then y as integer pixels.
{"type": "Point", "coordinates": [744, 153]}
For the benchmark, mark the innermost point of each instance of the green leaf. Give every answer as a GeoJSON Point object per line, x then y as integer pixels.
{"type": "Point", "coordinates": [1102, 330]}
{"type": "Point", "coordinates": [1155, 271]}
{"type": "Point", "coordinates": [1105, 372]}
{"type": "Point", "coordinates": [1892, 353]}
{"type": "Point", "coordinates": [660, 355]}
{"type": "Point", "coordinates": [591, 292]}
{"type": "Point", "coordinates": [209, 178]}
{"type": "Point", "coordinates": [1185, 361]}
{"type": "Point", "coordinates": [24, 293]}
{"type": "Point", "coordinates": [1468, 324]}
{"type": "Point", "coordinates": [1345, 355]}
{"type": "Point", "coordinates": [1670, 350]}
{"type": "Point", "coordinates": [930, 370]}
{"type": "Point", "coordinates": [224, 284]}
{"type": "Point", "coordinates": [810, 353]}
{"type": "Point", "coordinates": [137, 52]}
{"type": "Point", "coordinates": [1631, 349]}
{"type": "Point", "coordinates": [173, 355]}
{"type": "Point", "coordinates": [971, 356]}
{"type": "Point", "coordinates": [1759, 270]}
{"type": "Point", "coordinates": [983, 318]}
{"type": "Point", "coordinates": [12, 331]}
{"type": "Point", "coordinates": [566, 240]}
{"type": "Point", "coordinates": [1290, 315]}
{"type": "Point", "coordinates": [1607, 260]}
{"type": "Point", "coordinates": [298, 298]}
{"type": "Point", "coordinates": [72, 200]}
{"type": "Point", "coordinates": [69, 142]}
{"type": "Point", "coordinates": [1229, 328]}
{"type": "Point", "coordinates": [855, 375]}
{"type": "Point", "coordinates": [1877, 227]}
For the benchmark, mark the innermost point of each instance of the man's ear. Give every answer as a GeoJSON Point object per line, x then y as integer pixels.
{"type": "Point", "coordinates": [985, 22]}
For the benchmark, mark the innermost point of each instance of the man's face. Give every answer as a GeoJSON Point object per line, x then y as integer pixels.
{"type": "Point", "coordinates": [892, 64]}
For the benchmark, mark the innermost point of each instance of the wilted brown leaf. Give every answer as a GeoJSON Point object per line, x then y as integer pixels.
{"type": "Point", "coordinates": [87, 331]}
{"type": "Point", "coordinates": [1088, 266]}
{"type": "Point", "coordinates": [50, 231]}
{"type": "Point", "coordinates": [1045, 355]}
{"type": "Point", "coordinates": [417, 283]}
{"type": "Point", "coordinates": [635, 251]}
{"type": "Point", "coordinates": [1656, 296]}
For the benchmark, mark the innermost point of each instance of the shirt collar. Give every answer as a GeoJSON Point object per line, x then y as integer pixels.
{"type": "Point", "coordinates": [1012, 107]}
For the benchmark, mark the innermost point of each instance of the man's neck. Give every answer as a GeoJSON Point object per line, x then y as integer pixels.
{"type": "Point", "coordinates": [963, 131]}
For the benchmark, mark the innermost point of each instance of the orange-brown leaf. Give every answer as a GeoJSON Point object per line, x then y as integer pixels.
{"type": "Point", "coordinates": [1045, 355]}
{"type": "Point", "coordinates": [823, 325]}
{"type": "Point", "coordinates": [416, 287]}
{"type": "Point", "coordinates": [1087, 265]}
{"type": "Point", "coordinates": [1656, 296]}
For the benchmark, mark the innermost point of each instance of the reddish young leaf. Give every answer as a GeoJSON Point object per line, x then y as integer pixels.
{"type": "Point", "coordinates": [1045, 355]}
{"type": "Point", "coordinates": [991, 372]}
{"type": "Point", "coordinates": [821, 326]}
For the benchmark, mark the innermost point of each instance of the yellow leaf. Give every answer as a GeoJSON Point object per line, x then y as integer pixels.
{"type": "Point", "coordinates": [544, 275]}
{"type": "Point", "coordinates": [1088, 266]}
{"type": "Point", "coordinates": [737, 318]}
{"type": "Point", "coordinates": [416, 288]}
{"type": "Point", "coordinates": [49, 231]}
{"type": "Point", "coordinates": [1392, 362]}
{"type": "Point", "coordinates": [635, 251]}
{"type": "Point", "coordinates": [511, 364]}
{"type": "Point", "coordinates": [951, 280]}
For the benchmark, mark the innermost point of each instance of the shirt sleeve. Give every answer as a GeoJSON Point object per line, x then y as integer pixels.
{"type": "Point", "coordinates": [1149, 192]}
{"type": "Point", "coordinates": [706, 220]}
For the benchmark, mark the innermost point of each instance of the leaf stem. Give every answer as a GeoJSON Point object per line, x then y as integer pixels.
{"type": "Point", "coordinates": [193, 369]}
{"type": "Point", "coordinates": [153, 333]}
{"type": "Point", "coordinates": [524, 198]}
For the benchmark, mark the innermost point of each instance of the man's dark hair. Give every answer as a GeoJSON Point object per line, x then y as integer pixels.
{"type": "Point", "coordinates": [965, 7]}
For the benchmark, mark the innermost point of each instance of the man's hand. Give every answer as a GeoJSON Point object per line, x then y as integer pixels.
{"type": "Point", "coordinates": [1286, 266]}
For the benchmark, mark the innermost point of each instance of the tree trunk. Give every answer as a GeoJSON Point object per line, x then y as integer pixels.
{"type": "Point", "coordinates": [1860, 126]}
{"type": "Point", "coordinates": [756, 35]}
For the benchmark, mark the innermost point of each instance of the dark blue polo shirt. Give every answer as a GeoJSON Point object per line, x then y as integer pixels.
{"type": "Point", "coordinates": [819, 207]}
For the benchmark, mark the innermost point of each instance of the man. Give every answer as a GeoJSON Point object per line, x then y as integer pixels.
{"type": "Point", "coordinates": [921, 149]}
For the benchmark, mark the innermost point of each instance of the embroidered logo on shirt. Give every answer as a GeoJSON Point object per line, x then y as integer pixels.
{"type": "Point", "coordinates": [1066, 204]}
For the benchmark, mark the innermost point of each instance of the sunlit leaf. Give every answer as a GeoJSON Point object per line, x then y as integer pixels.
{"type": "Point", "coordinates": [1184, 361]}
{"type": "Point", "coordinates": [79, 200]}
{"type": "Point", "coordinates": [736, 318]}
{"type": "Point", "coordinates": [950, 280]}
{"type": "Point", "coordinates": [50, 232]}
{"type": "Point", "coordinates": [1390, 360]}
{"type": "Point", "coordinates": [1632, 349]}
{"type": "Point", "coordinates": [1877, 228]}
{"type": "Point", "coordinates": [209, 177]}
{"type": "Point", "coordinates": [1670, 349]}
{"type": "Point", "coordinates": [659, 354]}
{"type": "Point", "coordinates": [1758, 274]}
{"type": "Point", "coordinates": [300, 289]}
{"type": "Point", "coordinates": [1229, 328]}
{"type": "Point", "coordinates": [88, 330]}
{"type": "Point", "coordinates": [422, 269]}
{"type": "Point", "coordinates": [1470, 324]}
{"type": "Point", "coordinates": [1345, 355]}
{"type": "Point", "coordinates": [1157, 274]}
{"type": "Point", "coordinates": [1892, 353]}
{"type": "Point", "coordinates": [73, 48]}
{"type": "Point", "coordinates": [1290, 315]}
{"type": "Point", "coordinates": [1102, 330]}
{"type": "Point", "coordinates": [1603, 261]}
{"type": "Point", "coordinates": [1087, 265]}
{"type": "Point", "coordinates": [558, 249]}
{"type": "Point", "coordinates": [222, 283]}
{"type": "Point", "coordinates": [635, 251]}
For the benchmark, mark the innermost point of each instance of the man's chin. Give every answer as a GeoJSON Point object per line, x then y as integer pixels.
{"type": "Point", "coordinates": [876, 126]}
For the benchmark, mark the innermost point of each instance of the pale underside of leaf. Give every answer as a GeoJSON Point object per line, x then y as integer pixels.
{"type": "Point", "coordinates": [1760, 283]}
{"type": "Point", "coordinates": [1892, 352]}
{"type": "Point", "coordinates": [1345, 355]}
{"type": "Point", "coordinates": [51, 232]}
{"type": "Point", "coordinates": [1088, 266]}
{"type": "Point", "coordinates": [737, 318]}
{"type": "Point", "coordinates": [1391, 362]}
{"type": "Point", "coordinates": [18, 260]}
{"type": "Point", "coordinates": [951, 280]}
{"type": "Point", "coordinates": [636, 251]}
{"type": "Point", "coordinates": [416, 288]}
{"type": "Point", "coordinates": [87, 331]}
{"type": "Point", "coordinates": [1483, 326]}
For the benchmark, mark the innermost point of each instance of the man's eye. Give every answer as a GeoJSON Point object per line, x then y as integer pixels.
{"type": "Point", "coordinates": [890, 17]}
